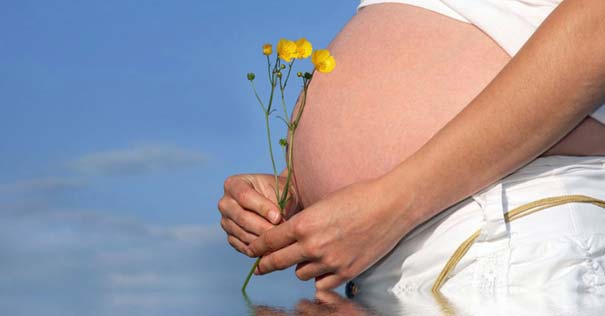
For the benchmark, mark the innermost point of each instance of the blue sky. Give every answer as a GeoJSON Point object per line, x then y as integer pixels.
{"type": "Point", "coordinates": [139, 108]}
{"type": "Point", "coordinates": [119, 121]}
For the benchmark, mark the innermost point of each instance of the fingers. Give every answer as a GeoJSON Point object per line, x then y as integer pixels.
{"type": "Point", "coordinates": [249, 198]}
{"type": "Point", "coordinates": [328, 282]}
{"type": "Point", "coordinates": [237, 244]}
{"type": "Point", "coordinates": [309, 270]}
{"type": "Point", "coordinates": [281, 259]}
{"type": "Point", "coordinates": [274, 239]}
{"type": "Point", "coordinates": [329, 297]}
{"type": "Point", "coordinates": [245, 219]}
{"type": "Point", "coordinates": [233, 229]}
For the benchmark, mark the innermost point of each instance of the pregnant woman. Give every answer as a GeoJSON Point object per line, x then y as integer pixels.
{"type": "Point", "coordinates": [441, 119]}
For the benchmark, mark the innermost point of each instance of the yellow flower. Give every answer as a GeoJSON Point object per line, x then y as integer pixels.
{"type": "Point", "coordinates": [286, 49]}
{"type": "Point", "coordinates": [303, 48]}
{"type": "Point", "coordinates": [323, 61]}
{"type": "Point", "coordinates": [267, 49]}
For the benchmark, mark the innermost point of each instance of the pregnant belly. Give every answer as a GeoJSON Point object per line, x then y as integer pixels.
{"type": "Point", "coordinates": [402, 73]}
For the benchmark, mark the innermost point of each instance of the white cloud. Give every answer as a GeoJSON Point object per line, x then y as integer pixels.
{"type": "Point", "coordinates": [188, 233]}
{"type": "Point", "coordinates": [95, 263]}
{"type": "Point", "coordinates": [28, 196]}
{"type": "Point", "coordinates": [113, 226]}
{"type": "Point", "coordinates": [138, 160]}
{"type": "Point", "coordinates": [146, 279]}
{"type": "Point", "coordinates": [42, 185]}
{"type": "Point", "coordinates": [151, 301]}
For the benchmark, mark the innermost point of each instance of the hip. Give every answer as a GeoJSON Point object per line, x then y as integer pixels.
{"type": "Point", "coordinates": [560, 248]}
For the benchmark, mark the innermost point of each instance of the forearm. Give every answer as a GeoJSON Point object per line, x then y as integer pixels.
{"type": "Point", "coordinates": [554, 82]}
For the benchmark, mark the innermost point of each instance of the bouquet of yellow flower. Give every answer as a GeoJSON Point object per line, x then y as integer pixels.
{"type": "Point", "coordinates": [287, 53]}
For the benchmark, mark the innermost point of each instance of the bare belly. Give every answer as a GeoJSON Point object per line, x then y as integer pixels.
{"type": "Point", "coordinates": [402, 73]}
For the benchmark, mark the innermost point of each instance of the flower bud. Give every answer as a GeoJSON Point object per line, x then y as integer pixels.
{"type": "Point", "coordinates": [278, 74]}
{"type": "Point", "coordinates": [251, 76]}
{"type": "Point", "coordinates": [283, 142]}
{"type": "Point", "coordinates": [308, 75]}
{"type": "Point", "coordinates": [299, 74]}
{"type": "Point", "coordinates": [282, 66]}
{"type": "Point", "coordinates": [267, 49]}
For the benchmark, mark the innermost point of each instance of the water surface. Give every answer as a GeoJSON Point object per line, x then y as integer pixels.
{"type": "Point", "coordinates": [76, 263]}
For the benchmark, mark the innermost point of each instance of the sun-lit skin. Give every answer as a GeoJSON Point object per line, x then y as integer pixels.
{"type": "Point", "coordinates": [409, 123]}
{"type": "Point", "coordinates": [414, 72]}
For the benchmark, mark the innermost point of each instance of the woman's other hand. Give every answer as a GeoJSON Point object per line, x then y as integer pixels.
{"type": "Point", "coordinates": [249, 208]}
{"type": "Point", "coordinates": [339, 237]}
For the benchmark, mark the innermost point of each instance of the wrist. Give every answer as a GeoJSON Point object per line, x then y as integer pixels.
{"type": "Point", "coordinates": [401, 195]}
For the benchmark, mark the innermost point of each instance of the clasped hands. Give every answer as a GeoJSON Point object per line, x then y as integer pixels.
{"type": "Point", "coordinates": [331, 241]}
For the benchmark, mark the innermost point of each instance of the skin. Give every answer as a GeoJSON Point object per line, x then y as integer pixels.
{"type": "Point", "coordinates": [484, 133]}
{"type": "Point", "coordinates": [326, 303]}
{"type": "Point", "coordinates": [249, 208]}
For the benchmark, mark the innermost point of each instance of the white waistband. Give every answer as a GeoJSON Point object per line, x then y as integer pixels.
{"type": "Point", "coordinates": [599, 114]}
{"type": "Point", "coordinates": [550, 165]}
{"type": "Point", "coordinates": [433, 5]}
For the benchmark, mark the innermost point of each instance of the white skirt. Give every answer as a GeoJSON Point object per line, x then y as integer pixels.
{"type": "Point", "coordinates": [558, 249]}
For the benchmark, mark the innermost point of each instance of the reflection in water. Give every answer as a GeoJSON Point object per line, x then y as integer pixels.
{"type": "Point", "coordinates": [84, 263]}
{"type": "Point", "coordinates": [325, 303]}
{"type": "Point", "coordinates": [534, 304]}
{"type": "Point", "coordinates": [545, 303]}
{"type": "Point", "coordinates": [78, 262]}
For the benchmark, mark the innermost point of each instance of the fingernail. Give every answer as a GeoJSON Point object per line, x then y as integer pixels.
{"type": "Point", "coordinates": [256, 271]}
{"type": "Point", "coordinates": [274, 217]}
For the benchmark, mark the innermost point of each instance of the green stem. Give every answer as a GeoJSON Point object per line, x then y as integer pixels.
{"type": "Point", "coordinates": [273, 83]}
{"type": "Point", "coordinates": [284, 197]}
{"type": "Point", "coordinates": [291, 130]}
{"type": "Point", "coordinates": [283, 102]}
{"type": "Point", "coordinates": [282, 89]}
{"type": "Point", "coordinates": [257, 96]}
{"type": "Point", "coordinates": [271, 155]}
{"type": "Point", "coordinates": [289, 70]}
{"type": "Point", "coordinates": [267, 114]}
{"type": "Point", "coordinates": [250, 275]}
{"type": "Point", "coordinates": [306, 84]}
{"type": "Point", "coordinates": [269, 68]}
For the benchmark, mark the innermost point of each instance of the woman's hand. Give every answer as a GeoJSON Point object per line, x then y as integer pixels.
{"type": "Point", "coordinates": [249, 207]}
{"type": "Point", "coordinates": [337, 238]}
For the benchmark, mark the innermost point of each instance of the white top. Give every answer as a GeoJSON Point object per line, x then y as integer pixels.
{"type": "Point", "coordinates": [508, 22]}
